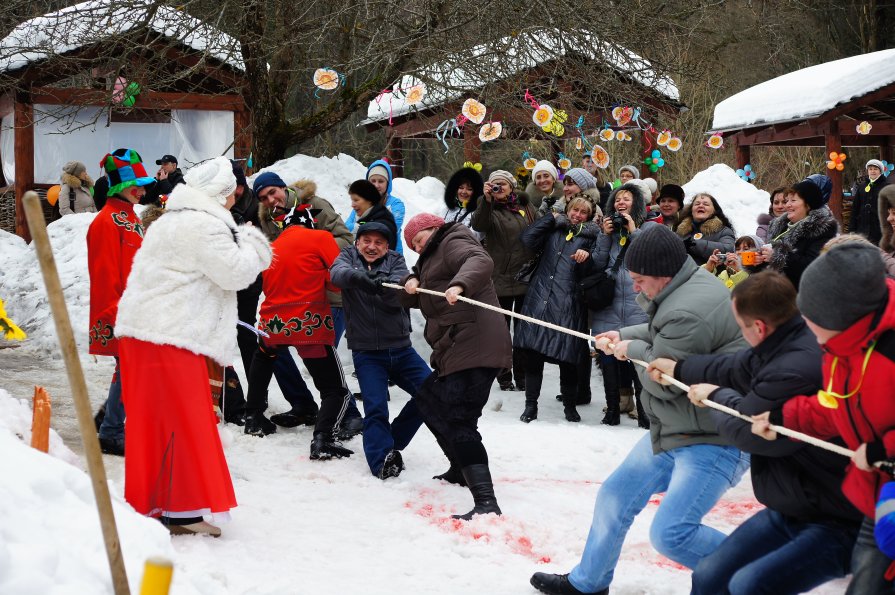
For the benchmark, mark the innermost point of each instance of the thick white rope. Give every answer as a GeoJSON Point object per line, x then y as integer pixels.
{"type": "Point", "coordinates": [670, 379]}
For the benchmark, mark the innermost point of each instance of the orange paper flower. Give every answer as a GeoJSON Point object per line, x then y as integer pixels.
{"type": "Point", "coordinates": [564, 163]}
{"type": "Point", "coordinates": [490, 131]}
{"type": "Point", "coordinates": [415, 94]}
{"type": "Point", "coordinates": [716, 141]}
{"type": "Point", "coordinates": [600, 157]}
{"type": "Point", "coordinates": [674, 144]}
{"type": "Point", "coordinates": [607, 134]}
{"type": "Point", "coordinates": [543, 116]}
{"type": "Point", "coordinates": [326, 79]}
{"type": "Point", "coordinates": [622, 115]}
{"type": "Point", "coordinates": [474, 111]}
{"type": "Point", "coordinates": [530, 163]}
{"type": "Point", "coordinates": [663, 138]}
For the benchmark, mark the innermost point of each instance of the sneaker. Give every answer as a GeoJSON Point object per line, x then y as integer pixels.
{"type": "Point", "coordinates": [323, 449]}
{"type": "Point", "coordinates": [294, 417]}
{"type": "Point", "coordinates": [392, 465]}
{"type": "Point", "coordinates": [200, 528]}
{"type": "Point", "coordinates": [557, 584]}
{"type": "Point", "coordinates": [258, 425]}
{"type": "Point", "coordinates": [111, 446]}
{"type": "Point", "coordinates": [507, 385]}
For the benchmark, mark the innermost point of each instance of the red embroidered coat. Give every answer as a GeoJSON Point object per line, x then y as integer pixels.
{"type": "Point", "coordinates": [866, 417]}
{"type": "Point", "coordinates": [295, 309]}
{"type": "Point", "coordinates": [112, 240]}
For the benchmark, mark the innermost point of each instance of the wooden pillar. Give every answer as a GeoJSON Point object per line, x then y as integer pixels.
{"type": "Point", "coordinates": [885, 149]}
{"type": "Point", "coordinates": [394, 151]}
{"type": "Point", "coordinates": [743, 153]}
{"type": "Point", "coordinates": [472, 146]}
{"type": "Point", "coordinates": [647, 144]}
{"type": "Point", "coordinates": [833, 142]}
{"type": "Point", "coordinates": [242, 136]}
{"type": "Point", "coordinates": [23, 121]}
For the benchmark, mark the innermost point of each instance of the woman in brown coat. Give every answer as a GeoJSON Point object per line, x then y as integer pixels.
{"type": "Point", "coordinates": [470, 345]}
{"type": "Point", "coordinates": [502, 214]}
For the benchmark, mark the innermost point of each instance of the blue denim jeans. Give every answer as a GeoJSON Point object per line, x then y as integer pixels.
{"type": "Point", "coordinates": [374, 368]}
{"type": "Point", "coordinates": [338, 323]}
{"type": "Point", "coordinates": [868, 565]}
{"type": "Point", "coordinates": [773, 553]}
{"type": "Point", "coordinates": [288, 376]}
{"type": "Point", "coordinates": [693, 479]}
{"type": "Point", "coordinates": [112, 427]}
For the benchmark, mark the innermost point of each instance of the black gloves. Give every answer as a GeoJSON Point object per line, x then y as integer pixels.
{"type": "Point", "coordinates": [371, 281]}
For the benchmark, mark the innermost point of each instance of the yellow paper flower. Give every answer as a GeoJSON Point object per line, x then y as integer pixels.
{"type": "Point", "coordinates": [864, 127]}
{"type": "Point", "coordinates": [622, 115]}
{"type": "Point", "coordinates": [620, 135]}
{"type": "Point", "coordinates": [674, 144]}
{"type": "Point", "coordinates": [600, 157]}
{"type": "Point", "coordinates": [415, 94]}
{"type": "Point", "coordinates": [490, 131]}
{"type": "Point", "coordinates": [474, 110]}
{"type": "Point", "coordinates": [530, 163]}
{"type": "Point", "coordinates": [607, 134]}
{"type": "Point", "coordinates": [543, 116]}
{"type": "Point", "coordinates": [326, 79]}
{"type": "Point", "coordinates": [564, 163]}
{"type": "Point", "coordinates": [716, 141]}
{"type": "Point", "coordinates": [578, 144]}
{"type": "Point", "coordinates": [663, 138]}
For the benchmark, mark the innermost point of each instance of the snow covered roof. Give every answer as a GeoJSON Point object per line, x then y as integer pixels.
{"type": "Point", "coordinates": [806, 93]}
{"type": "Point", "coordinates": [506, 57]}
{"type": "Point", "coordinates": [89, 22]}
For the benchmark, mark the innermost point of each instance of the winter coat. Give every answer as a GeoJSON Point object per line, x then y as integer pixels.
{"type": "Point", "coordinates": [182, 290]}
{"type": "Point", "coordinates": [379, 214]}
{"type": "Point", "coordinates": [295, 310]}
{"type": "Point", "coordinates": [865, 417]}
{"type": "Point", "coordinates": [544, 202]}
{"type": "Point", "coordinates": [560, 205]}
{"type": "Point", "coordinates": [553, 294]}
{"type": "Point", "coordinates": [691, 315]}
{"type": "Point", "coordinates": [866, 212]}
{"type": "Point", "coordinates": [245, 210]}
{"type": "Point", "coordinates": [164, 187]}
{"type": "Point", "coordinates": [392, 203]}
{"type": "Point", "coordinates": [713, 235]}
{"type": "Point", "coordinates": [886, 201]}
{"type": "Point", "coordinates": [502, 228]}
{"type": "Point", "coordinates": [462, 336]}
{"type": "Point", "coordinates": [304, 192]}
{"type": "Point", "coordinates": [797, 246]}
{"type": "Point", "coordinates": [372, 321]}
{"type": "Point", "coordinates": [791, 477]}
{"type": "Point", "coordinates": [113, 239]}
{"type": "Point", "coordinates": [80, 190]}
{"type": "Point", "coordinates": [763, 221]}
{"type": "Point", "coordinates": [462, 213]}
{"type": "Point", "coordinates": [624, 310]}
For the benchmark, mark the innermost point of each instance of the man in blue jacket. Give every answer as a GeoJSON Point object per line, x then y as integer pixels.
{"type": "Point", "coordinates": [805, 536]}
{"type": "Point", "coordinates": [378, 333]}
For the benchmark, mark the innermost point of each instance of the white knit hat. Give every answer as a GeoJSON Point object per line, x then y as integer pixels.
{"type": "Point", "coordinates": [875, 162]}
{"type": "Point", "coordinates": [213, 178]}
{"type": "Point", "coordinates": [651, 184]}
{"type": "Point", "coordinates": [634, 171]}
{"type": "Point", "coordinates": [544, 165]}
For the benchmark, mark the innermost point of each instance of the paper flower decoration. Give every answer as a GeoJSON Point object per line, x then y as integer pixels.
{"type": "Point", "coordinates": [543, 116]}
{"type": "Point", "coordinates": [415, 94]}
{"type": "Point", "coordinates": [564, 162]}
{"type": "Point", "coordinates": [836, 160]}
{"type": "Point", "coordinates": [663, 138]}
{"type": "Point", "coordinates": [326, 79]}
{"type": "Point", "coordinates": [622, 115]}
{"type": "Point", "coordinates": [716, 141]}
{"type": "Point", "coordinates": [607, 134]}
{"type": "Point", "coordinates": [674, 144]}
{"type": "Point", "coordinates": [490, 131]}
{"type": "Point", "coordinates": [864, 127]}
{"type": "Point", "coordinates": [579, 144]}
{"type": "Point", "coordinates": [654, 161]}
{"type": "Point", "coordinates": [621, 135]}
{"type": "Point", "coordinates": [475, 166]}
{"type": "Point", "coordinates": [528, 161]}
{"type": "Point", "coordinates": [600, 157]}
{"type": "Point", "coordinates": [474, 111]}
{"type": "Point", "coordinates": [746, 174]}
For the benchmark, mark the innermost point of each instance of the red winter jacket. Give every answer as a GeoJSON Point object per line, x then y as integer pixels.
{"type": "Point", "coordinates": [112, 240]}
{"type": "Point", "coordinates": [868, 416]}
{"type": "Point", "coordinates": [295, 309]}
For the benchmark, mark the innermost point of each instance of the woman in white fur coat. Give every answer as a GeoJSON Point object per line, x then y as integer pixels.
{"type": "Point", "coordinates": [180, 306]}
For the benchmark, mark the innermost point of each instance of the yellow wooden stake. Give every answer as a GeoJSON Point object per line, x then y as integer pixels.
{"type": "Point", "coordinates": [157, 577]}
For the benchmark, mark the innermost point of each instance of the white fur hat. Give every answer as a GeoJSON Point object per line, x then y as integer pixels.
{"type": "Point", "coordinates": [875, 162]}
{"type": "Point", "coordinates": [544, 165]}
{"type": "Point", "coordinates": [213, 178]}
{"type": "Point", "coordinates": [651, 184]}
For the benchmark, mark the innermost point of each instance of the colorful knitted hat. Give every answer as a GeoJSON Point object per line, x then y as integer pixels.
{"type": "Point", "coordinates": [125, 169]}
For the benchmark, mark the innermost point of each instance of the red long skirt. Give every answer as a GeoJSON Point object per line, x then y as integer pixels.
{"type": "Point", "coordinates": [174, 461]}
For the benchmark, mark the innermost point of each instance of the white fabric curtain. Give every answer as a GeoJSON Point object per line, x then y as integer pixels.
{"type": "Point", "coordinates": [7, 146]}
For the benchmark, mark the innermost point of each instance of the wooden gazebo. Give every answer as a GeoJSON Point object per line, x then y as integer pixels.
{"type": "Point", "coordinates": [515, 69]}
{"type": "Point", "coordinates": [820, 106]}
{"type": "Point", "coordinates": [69, 62]}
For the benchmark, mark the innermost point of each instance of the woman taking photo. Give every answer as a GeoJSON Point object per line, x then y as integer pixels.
{"type": "Point", "coordinates": [565, 241]}
{"type": "Point", "coordinates": [628, 201]}
{"type": "Point", "coordinates": [704, 228]}
{"type": "Point", "coordinates": [501, 215]}
{"type": "Point", "coordinates": [796, 238]}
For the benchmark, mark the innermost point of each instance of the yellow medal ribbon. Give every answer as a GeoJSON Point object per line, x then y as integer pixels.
{"type": "Point", "coordinates": [463, 203]}
{"type": "Point", "coordinates": [522, 212]}
{"type": "Point", "coordinates": [570, 235]}
{"type": "Point", "coordinates": [827, 398]}
{"type": "Point", "coordinates": [623, 241]}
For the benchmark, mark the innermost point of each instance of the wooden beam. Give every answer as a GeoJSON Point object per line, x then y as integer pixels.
{"type": "Point", "coordinates": [23, 120]}
{"type": "Point", "coordinates": [834, 143]}
{"type": "Point", "coordinates": [865, 100]}
{"type": "Point", "coordinates": [886, 110]}
{"type": "Point", "coordinates": [877, 128]}
{"type": "Point", "coordinates": [145, 100]}
{"type": "Point", "coordinates": [743, 154]}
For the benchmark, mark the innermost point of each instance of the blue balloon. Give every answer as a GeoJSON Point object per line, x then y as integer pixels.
{"type": "Point", "coordinates": [656, 154]}
{"type": "Point", "coordinates": [661, 163]}
{"type": "Point", "coordinates": [741, 172]}
{"type": "Point", "coordinates": [748, 168]}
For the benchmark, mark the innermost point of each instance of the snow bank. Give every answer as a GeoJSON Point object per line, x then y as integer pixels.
{"type": "Point", "coordinates": [741, 201]}
{"type": "Point", "coordinates": [50, 537]}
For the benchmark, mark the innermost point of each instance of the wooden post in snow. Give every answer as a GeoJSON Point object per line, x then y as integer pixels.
{"type": "Point", "coordinates": [40, 420]}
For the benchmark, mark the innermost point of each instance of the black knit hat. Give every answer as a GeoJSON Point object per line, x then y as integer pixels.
{"type": "Point", "coordinates": [672, 191]}
{"type": "Point", "coordinates": [656, 252]}
{"type": "Point", "coordinates": [366, 191]}
{"type": "Point", "coordinates": [810, 193]}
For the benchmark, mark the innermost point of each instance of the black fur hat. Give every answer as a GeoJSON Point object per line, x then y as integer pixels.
{"type": "Point", "coordinates": [471, 177]}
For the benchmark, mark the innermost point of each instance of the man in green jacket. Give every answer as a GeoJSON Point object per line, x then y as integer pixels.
{"type": "Point", "coordinates": [684, 456]}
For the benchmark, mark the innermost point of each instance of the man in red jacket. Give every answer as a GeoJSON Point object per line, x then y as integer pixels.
{"type": "Point", "coordinates": [849, 304]}
{"type": "Point", "coordinates": [112, 240]}
{"type": "Point", "coordinates": [296, 312]}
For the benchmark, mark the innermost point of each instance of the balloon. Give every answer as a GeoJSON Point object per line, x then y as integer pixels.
{"type": "Point", "coordinates": [654, 168]}
{"type": "Point", "coordinates": [655, 154]}
{"type": "Point", "coordinates": [839, 167]}
{"type": "Point", "coordinates": [831, 165]}
{"type": "Point", "coordinates": [833, 155]}
{"type": "Point", "coordinates": [741, 172]}
{"type": "Point", "coordinates": [654, 160]}
{"type": "Point", "coordinates": [129, 101]}
{"type": "Point", "coordinates": [661, 163]}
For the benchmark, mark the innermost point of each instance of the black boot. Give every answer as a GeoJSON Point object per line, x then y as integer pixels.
{"type": "Point", "coordinates": [569, 400]}
{"type": "Point", "coordinates": [323, 447]}
{"type": "Point", "coordinates": [610, 387]}
{"type": "Point", "coordinates": [531, 411]}
{"type": "Point", "coordinates": [258, 425]}
{"type": "Point", "coordinates": [452, 475]}
{"type": "Point", "coordinates": [297, 416]}
{"type": "Point", "coordinates": [642, 419]}
{"type": "Point", "coordinates": [478, 478]}
{"type": "Point", "coordinates": [532, 392]}
{"type": "Point", "coordinates": [558, 584]}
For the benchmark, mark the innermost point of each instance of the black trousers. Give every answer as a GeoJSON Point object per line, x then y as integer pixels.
{"type": "Point", "coordinates": [328, 378]}
{"type": "Point", "coordinates": [451, 406]}
{"type": "Point", "coordinates": [534, 375]}
{"type": "Point", "coordinates": [514, 304]}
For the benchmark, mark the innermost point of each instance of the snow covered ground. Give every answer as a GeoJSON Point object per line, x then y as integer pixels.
{"type": "Point", "coordinates": [305, 526]}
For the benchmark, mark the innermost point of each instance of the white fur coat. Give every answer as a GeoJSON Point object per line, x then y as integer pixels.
{"type": "Point", "coordinates": [182, 288]}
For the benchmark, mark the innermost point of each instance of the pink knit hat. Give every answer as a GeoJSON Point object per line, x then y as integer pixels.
{"type": "Point", "coordinates": [418, 224]}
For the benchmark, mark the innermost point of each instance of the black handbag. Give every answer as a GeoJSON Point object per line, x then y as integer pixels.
{"type": "Point", "coordinates": [598, 287]}
{"type": "Point", "coordinates": [528, 269]}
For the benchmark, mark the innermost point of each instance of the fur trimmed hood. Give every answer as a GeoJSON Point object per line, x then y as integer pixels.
{"type": "Point", "coordinates": [76, 182]}
{"type": "Point", "coordinates": [305, 188]}
{"type": "Point", "coordinates": [185, 198]}
{"type": "Point", "coordinates": [641, 198]}
{"type": "Point", "coordinates": [765, 218]}
{"type": "Point", "coordinates": [301, 190]}
{"type": "Point", "coordinates": [886, 202]}
{"type": "Point", "coordinates": [818, 223]}
{"type": "Point", "coordinates": [709, 227]}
